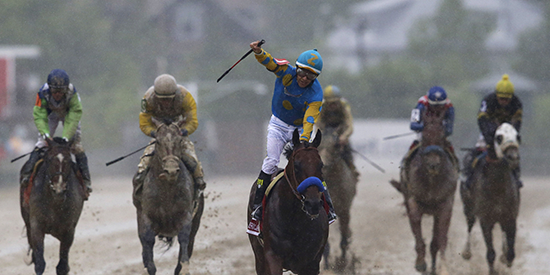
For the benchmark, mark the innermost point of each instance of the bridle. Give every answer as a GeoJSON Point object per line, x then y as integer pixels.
{"type": "Point", "coordinates": [290, 177]}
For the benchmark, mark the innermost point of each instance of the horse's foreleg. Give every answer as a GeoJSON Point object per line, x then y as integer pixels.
{"type": "Point", "coordinates": [508, 243]}
{"type": "Point", "coordinates": [487, 229]}
{"type": "Point", "coordinates": [147, 239]}
{"type": "Point", "coordinates": [442, 222]}
{"type": "Point", "coordinates": [183, 258]}
{"type": "Point", "coordinates": [274, 263]}
{"type": "Point", "coordinates": [65, 245]}
{"type": "Point", "coordinates": [470, 220]}
{"type": "Point", "coordinates": [415, 219]}
{"type": "Point", "coordinates": [344, 218]}
{"type": "Point", "coordinates": [37, 245]}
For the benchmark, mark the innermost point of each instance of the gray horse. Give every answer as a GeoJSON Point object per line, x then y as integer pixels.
{"type": "Point", "coordinates": [494, 197]}
{"type": "Point", "coordinates": [51, 203]}
{"type": "Point", "coordinates": [429, 188]}
{"type": "Point", "coordinates": [343, 187]}
{"type": "Point", "coordinates": [164, 202]}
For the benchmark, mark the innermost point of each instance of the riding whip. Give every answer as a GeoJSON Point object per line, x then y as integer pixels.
{"type": "Point", "coordinates": [244, 56]}
{"type": "Point", "coordinates": [17, 158]}
{"type": "Point", "coordinates": [400, 135]}
{"type": "Point", "coordinates": [369, 161]}
{"type": "Point", "coordinates": [123, 157]}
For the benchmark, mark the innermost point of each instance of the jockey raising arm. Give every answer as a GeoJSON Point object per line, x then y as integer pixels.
{"type": "Point", "coordinates": [296, 103]}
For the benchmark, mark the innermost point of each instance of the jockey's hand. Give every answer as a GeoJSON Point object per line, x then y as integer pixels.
{"type": "Point", "coordinates": [306, 143]}
{"type": "Point", "coordinates": [65, 139]}
{"type": "Point", "coordinates": [342, 141]}
{"type": "Point", "coordinates": [254, 46]}
{"type": "Point", "coordinates": [153, 134]}
{"type": "Point", "coordinates": [184, 132]}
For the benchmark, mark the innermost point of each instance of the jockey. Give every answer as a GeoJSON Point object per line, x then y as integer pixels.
{"type": "Point", "coordinates": [57, 101]}
{"type": "Point", "coordinates": [296, 103]}
{"type": "Point", "coordinates": [336, 113]}
{"type": "Point", "coordinates": [166, 100]}
{"type": "Point", "coordinates": [434, 101]}
{"type": "Point", "coordinates": [496, 108]}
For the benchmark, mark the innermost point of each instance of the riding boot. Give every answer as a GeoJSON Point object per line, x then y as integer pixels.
{"type": "Point", "coordinates": [331, 213]}
{"type": "Point", "coordinates": [262, 183]}
{"type": "Point", "coordinates": [198, 178]}
{"type": "Point", "coordinates": [82, 162]}
{"type": "Point", "coordinates": [517, 174]}
{"type": "Point", "coordinates": [27, 168]}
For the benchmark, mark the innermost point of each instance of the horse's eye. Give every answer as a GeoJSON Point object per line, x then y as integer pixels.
{"type": "Point", "coordinates": [499, 139]}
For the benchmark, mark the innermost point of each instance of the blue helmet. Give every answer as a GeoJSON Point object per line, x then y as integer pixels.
{"type": "Point", "coordinates": [58, 79]}
{"type": "Point", "coordinates": [436, 95]}
{"type": "Point", "coordinates": [310, 60]}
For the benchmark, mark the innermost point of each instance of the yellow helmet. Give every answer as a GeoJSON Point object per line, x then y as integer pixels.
{"type": "Point", "coordinates": [504, 87]}
{"type": "Point", "coordinates": [331, 92]}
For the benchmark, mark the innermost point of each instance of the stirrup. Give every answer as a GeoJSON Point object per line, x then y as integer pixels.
{"type": "Point", "coordinates": [257, 213]}
{"type": "Point", "coordinates": [331, 217]}
{"type": "Point", "coordinates": [253, 227]}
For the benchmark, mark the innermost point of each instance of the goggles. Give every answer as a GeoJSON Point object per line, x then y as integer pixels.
{"type": "Point", "coordinates": [303, 72]}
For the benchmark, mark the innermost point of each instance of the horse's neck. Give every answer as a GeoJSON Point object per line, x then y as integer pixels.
{"type": "Point", "coordinates": [497, 174]}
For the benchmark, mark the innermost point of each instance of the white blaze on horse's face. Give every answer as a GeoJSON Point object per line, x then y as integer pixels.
{"type": "Point", "coordinates": [505, 136]}
{"type": "Point", "coordinates": [58, 186]}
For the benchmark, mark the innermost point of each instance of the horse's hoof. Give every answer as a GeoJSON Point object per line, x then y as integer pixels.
{"type": "Point", "coordinates": [466, 255]}
{"type": "Point", "coordinates": [421, 267]}
{"type": "Point", "coordinates": [505, 261]}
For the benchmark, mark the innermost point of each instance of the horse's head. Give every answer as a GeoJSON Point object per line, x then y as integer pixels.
{"type": "Point", "coordinates": [59, 164]}
{"type": "Point", "coordinates": [330, 146]}
{"type": "Point", "coordinates": [304, 173]}
{"type": "Point", "coordinates": [507, 144]}
{"type": "Point", "coordinates": [434, 129]}
{"type": "Point", "coordinates": [433, 157]}
{"type": "Point", "coordinates": [167, 150]}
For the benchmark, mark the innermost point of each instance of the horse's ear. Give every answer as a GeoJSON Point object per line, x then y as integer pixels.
{"type": "Point", "coordinates": [317, 140]}
{"type": "Point", "coordinates": [296, 137]}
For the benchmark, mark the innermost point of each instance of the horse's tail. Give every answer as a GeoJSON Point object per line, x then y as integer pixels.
{"type": "Point", "coordinates": [397, 185]}
{"type": "Point", "coordinates": [168, 241]}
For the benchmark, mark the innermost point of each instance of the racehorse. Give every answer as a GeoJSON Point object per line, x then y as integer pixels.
{"type": "Point", "coordinates": [343, 183]}
{"type": "Point", "coordinates": [164, 203]}
{"type": "Point", "coordinates": [295, 225]}
{"type": "Point", "coordinates": [51, 203]}
{"type": "Point", "coordinates": [428, 188]}
{"type": "Point", "coordinates": [494, 196]}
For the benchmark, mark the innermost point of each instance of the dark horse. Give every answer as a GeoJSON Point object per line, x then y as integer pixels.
{"type": "Point", "coordinates": [494, 196]}
{"type": "Point", "coordinates": [51, 203]}
{"type": "Point", "coordinates": [429, 188]}
{"type": "Point", "coordinates": [343, 183]}
{"type": "Point", "coordinates": [164, 202]}
{"type": "Point", "coordinates": [295, 224]}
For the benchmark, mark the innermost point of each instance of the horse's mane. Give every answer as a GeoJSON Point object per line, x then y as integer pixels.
{"type": "Point", "coordinates": [289, 148]}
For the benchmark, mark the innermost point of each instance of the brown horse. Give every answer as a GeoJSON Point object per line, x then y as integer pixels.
{"type": "Point", "coordinates": [428, 188]}
{"type": "Point", "coordinates": [295, 224]}
{"type": "Point", "coordinates": [164, 202]}
{"type": "Point", "coordinates": [343, 184]}
{"type": "Point", "coordinates": [51, 203]}
{"type": "Point", "coordinates": [494, 196]}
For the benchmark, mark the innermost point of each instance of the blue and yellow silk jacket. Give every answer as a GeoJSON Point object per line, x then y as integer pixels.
{"type": "Point", "coordinates": [292, 104]}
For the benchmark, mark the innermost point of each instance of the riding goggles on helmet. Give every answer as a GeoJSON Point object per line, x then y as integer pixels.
{"type": "Point", "coordinates": [303, 72]}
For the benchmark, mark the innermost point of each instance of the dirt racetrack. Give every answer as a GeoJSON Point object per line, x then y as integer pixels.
{"type": "Point", "coordinates": [106, 241]}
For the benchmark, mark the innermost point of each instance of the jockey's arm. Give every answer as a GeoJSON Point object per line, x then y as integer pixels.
{"type": "Point", "coordinates": [312, 114]}
{"type": "Point", "coordinates": [40, 115]}
{"type": "Point", "coordinates": [449, 121]}
{"type": "Point", "coordinates": [278, 68]}
{"type": "Point", "coordinates": [416, 118]}
{"type": "Point", "coordinates": [347, 124]}
{"type": "Point", "coordinates": [190, 115]}
{"type": "Point", "coordinates": [146, 123]}
{"type": "Point", "coordinates": [487, 127]}
{"type": "Point", "coordinates": [73, 117]}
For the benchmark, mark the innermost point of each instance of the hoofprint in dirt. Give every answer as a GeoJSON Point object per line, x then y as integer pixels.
{"type": "Point", "coordinates": [106, 240]}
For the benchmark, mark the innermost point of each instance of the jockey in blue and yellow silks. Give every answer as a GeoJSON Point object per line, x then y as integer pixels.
{"type": "Point", "coordinates": [296, 104]}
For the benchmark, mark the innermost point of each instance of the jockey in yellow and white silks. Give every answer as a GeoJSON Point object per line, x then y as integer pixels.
{"type": "Point", "coordinates": [166, 100]}
{"type": "Point", "coordinates": [296, 104]}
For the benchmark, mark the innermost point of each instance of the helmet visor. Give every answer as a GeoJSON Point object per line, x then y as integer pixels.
{"type": "Point", "coordinates": [304, 72]}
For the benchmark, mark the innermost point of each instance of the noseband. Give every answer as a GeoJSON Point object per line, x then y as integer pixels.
{"type": "Point", "coordinates": [292, 179]}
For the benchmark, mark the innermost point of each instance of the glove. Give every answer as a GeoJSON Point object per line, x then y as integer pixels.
{"type": "Point", "coordinates": [306, 143]}
{"type": "Point", "coordinates": [65, 139]}
{"type": "Point", "coordinates": [45, 136]}
{"type": "Point", "coordinates": [184, 132]}
{"type": "Point", "coordinates": [153, 134]}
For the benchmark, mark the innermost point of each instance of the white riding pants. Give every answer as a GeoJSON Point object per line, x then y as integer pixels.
{"type": "Point", "coordinates": [278, 135]}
